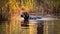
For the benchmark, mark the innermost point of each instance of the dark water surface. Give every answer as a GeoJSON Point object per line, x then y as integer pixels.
{"type": "Point", "coordinates": [40, 27]}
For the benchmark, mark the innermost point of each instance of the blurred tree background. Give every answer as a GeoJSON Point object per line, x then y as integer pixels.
{"type": "Point", "coordinates": [57, 7]}
{"type": "Point", "coordinates": [4, 10]}
{"type": "Point", "coordinates": [50, 6]}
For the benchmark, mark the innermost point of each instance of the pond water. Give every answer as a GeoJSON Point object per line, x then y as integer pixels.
{"type": "Point", "coordinates": [35, 27]}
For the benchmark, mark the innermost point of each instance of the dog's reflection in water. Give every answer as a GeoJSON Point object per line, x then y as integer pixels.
{"type": "Point", "coordinates": [25, 23]}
